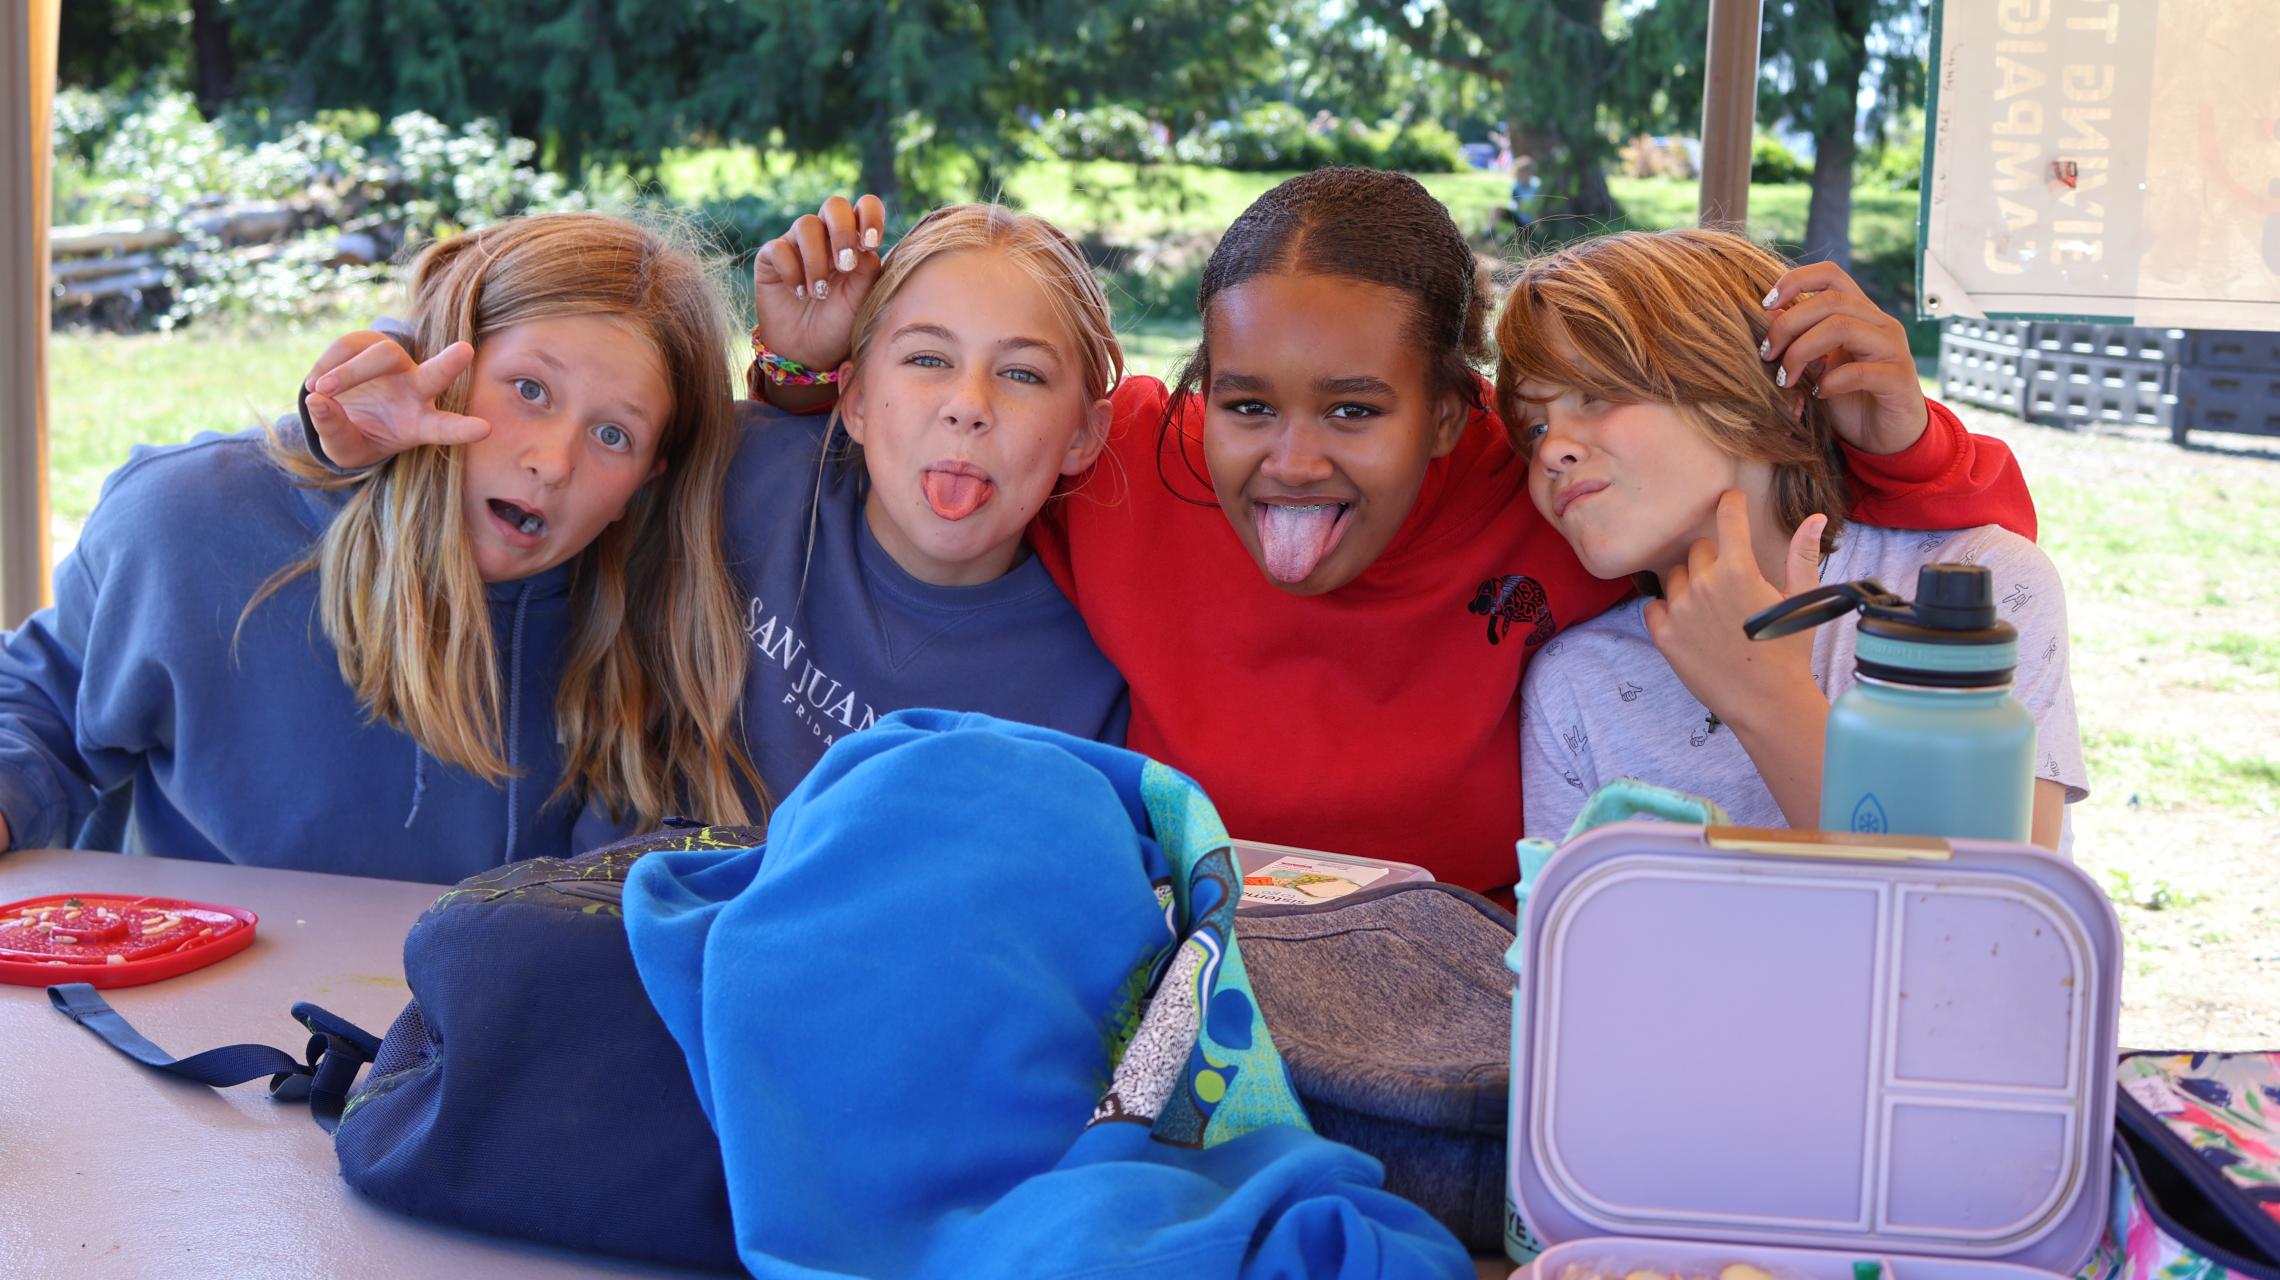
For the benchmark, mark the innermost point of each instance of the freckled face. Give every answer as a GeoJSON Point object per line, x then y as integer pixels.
{"type": "Point", "coordinates": [1319, 423]}
{"type": "Point", "coordinates": [970, 406]}
{"type": "Point", "coordinates": [577, 407]}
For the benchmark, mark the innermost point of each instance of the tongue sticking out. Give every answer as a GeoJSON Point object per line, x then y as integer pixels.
{"type": "Point", "coordinates": [1292, 540]}
{"type": "Point", "coordinates": [955, 495]}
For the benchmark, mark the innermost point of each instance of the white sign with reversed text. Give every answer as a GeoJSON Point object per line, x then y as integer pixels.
{"type": "Point", "coordinates": [2111, 159]}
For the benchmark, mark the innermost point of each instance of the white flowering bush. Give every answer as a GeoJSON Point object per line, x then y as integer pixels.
{"type": "Point", "coordinates": [152, 158]}
{"type": "Point", "coordinates": [1103, 133]}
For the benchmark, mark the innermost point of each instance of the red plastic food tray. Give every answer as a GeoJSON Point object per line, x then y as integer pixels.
{"type": "Point", "coordinates": [112, 940]}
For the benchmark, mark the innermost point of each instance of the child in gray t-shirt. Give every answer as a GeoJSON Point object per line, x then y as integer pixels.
{"type": "Point", "coordinates": [1662, 451]}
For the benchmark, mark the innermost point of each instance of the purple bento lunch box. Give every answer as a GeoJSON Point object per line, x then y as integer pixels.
{"type": "Point", "coordinates": [1808, 1051]}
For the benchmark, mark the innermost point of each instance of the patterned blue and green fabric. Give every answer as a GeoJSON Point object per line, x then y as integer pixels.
{"type": "Point", "coordinates": [976, 1009]}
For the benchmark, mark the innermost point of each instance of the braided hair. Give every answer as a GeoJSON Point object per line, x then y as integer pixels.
{"type": "Point", "coordinates": [1369, 225]}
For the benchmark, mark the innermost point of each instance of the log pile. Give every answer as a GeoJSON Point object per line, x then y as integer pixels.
{"type": "Point", "coordinates": [116, 274]}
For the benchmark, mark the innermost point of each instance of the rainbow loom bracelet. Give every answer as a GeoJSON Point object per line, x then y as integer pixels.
{"type": "Point", "coordinates": [783, 371]}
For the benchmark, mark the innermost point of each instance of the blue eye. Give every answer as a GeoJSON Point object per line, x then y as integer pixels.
{"type": "Point", "coordinates": [1025, 375]}
{"type": "Point", "coordinates": [614, 437]}
{"type": "Point", "coordinates": [531, 390]}
{"type": "Point", "coordinates": [929, 362]}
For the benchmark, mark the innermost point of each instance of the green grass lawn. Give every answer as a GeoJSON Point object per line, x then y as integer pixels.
{"type": "Point", "coordinates": [108, 393]}
{"type": "Point", "coordinates": [2187, 564]}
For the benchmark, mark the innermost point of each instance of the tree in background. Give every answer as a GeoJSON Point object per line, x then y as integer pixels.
{"type": "Point", "coordinates": [886, 80]}
{"type": "Point", "coordinates": [114, 44]}
{"type": "Point", "coordinates": [1551, 59]}
{"type": "Point", "coordinates": [1337, 59]}
{"type": "Point", "coordinates": [1815, 57]}
{"type": "Point", "coordinates": [588, 79]}
{"type": "Point", "coordinates": [624, 80]}
{"type": "Point", "coordinates": [1570, 72]}
{"type": "Point", "coordinates": [213, 59]}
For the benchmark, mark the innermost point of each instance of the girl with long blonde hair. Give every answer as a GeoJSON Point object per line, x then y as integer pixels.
{"type": "Point", "coordinates": [429, 667]}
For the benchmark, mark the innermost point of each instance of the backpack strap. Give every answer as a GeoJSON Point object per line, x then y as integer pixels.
{"type": "Point", "coordinates": [338, 1049]}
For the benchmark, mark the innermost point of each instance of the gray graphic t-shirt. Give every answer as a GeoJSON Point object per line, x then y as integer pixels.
{"type": "Point", "coordinates": [1599, 702]}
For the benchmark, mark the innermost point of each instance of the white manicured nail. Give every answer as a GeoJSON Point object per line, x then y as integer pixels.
{"type": "Point", "coordinates": [1781, 377]}
{"type": "Point", "coordinates": [846, 259]}
{"type": "Point", "coordinates": [1770, 295]}
{"type": "Point", "coordinates": [800, 291]}
{"type": "Point", "coordinates": [871, 238]}
{"type": "Point", "coordinates": [1765, 349]}
{"type": "Point", "coordinates": [820, 290]}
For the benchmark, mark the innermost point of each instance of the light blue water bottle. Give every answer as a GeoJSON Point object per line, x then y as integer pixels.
{"type": "Point", "coordinates": [1929, 740]}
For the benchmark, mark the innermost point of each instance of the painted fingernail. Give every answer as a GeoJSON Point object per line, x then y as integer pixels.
{"type": "Point", "coordinates": [846, 259]}
{"type": "Point", "coordinates": [871, 238]}
{"type": "Point", "coordinates": [800, 291]}
{"type": "Point", "coordinates": [1771, 295]}
{"type": "Point", "coordinates": [820, 290]}
{"type": "Point", "coordinates": [1781, 376]}
{"type": "Point", "coordinates": [1765, 349]}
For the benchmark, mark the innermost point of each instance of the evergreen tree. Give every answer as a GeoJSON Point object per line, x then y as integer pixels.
{"type": "Point", "coordinates": [1815, 56]}
{"type": "Point", "coordinates": [890, 79]}
{"type": "Point", "coordinates": [1555, 61]}
{"type": "Point", "coordinates": [1814, 59]}
{"type": "Point", "coordinates": [587, 79]}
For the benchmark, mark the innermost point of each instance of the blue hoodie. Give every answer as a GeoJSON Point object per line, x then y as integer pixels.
{"type": "Point", "coordinates": [977, 1009]}
{"type": "Point", "coordinates": [258, 753]}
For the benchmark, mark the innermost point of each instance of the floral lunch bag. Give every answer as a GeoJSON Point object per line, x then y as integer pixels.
{"type": "Point", "coordinates": [2196, 1169]}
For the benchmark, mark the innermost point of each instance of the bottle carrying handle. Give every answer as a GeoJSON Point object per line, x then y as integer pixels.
{"type": "Point", "coordinates": [1822, 604]}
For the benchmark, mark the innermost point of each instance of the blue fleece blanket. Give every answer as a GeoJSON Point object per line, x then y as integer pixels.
{"type": "Point", "coordinates": [976, 1009]}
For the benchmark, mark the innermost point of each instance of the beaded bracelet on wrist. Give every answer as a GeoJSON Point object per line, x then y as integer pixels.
{"type": "Point", "coordinates": [783, 371]}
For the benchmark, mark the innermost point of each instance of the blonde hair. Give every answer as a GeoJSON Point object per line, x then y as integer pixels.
{"type": "Point", "coordinates": [653, 679]}
{"type": "Point", "coordinates": [1673, 317]}
{"type": "Point", "coordinates": [1038, 249]}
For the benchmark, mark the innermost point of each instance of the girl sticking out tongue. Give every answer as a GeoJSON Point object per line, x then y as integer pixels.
{"type": "Point", "coordinates": [968, 391]}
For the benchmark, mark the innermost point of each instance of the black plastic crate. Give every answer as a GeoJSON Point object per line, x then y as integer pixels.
{"type": "Point", "coordinates": [2075, 338]}
{"type": "Point", "coordinates": [1982, 373]}
{"type": "Point", "coordinates": [2227, 400]}
{"type": "Point", "coordinates": [2233, 349]}
{"type": "Point", "coordinates": [2066, 390]}
{"type": "Point", "coordinates": [2009, 333]}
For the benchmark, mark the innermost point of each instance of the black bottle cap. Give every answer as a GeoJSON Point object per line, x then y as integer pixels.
{"type": "Point", "coordinates": [1955, 597]}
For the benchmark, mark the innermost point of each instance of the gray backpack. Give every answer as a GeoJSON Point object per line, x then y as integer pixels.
{"type": "Point", "coordinates": [1393, 1010]}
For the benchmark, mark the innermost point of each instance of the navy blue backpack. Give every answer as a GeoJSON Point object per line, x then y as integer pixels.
{"type": "Point", "coordinates": [591, 1138]}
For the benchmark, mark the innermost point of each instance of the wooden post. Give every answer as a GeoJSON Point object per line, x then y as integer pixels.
{"type": "Point", "coordinates": [1729, 112]}
{"type": "Point", "coordinates": [27, 99]}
